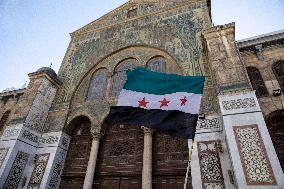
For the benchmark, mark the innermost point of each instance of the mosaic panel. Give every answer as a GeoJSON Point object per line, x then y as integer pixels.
{"type": "Point", "coordinates": [11, 132]}
{"type": "Point", "coordinates": [97, 85]}
{"type": "Point", "coordinates": [255, 162]}
{"type": "Point", "coordinates": [17, 170]}
{"type": "Point", "coordinates": [30, 136]}
{"type": "Point", "coordinates": [208, 123]}
{"type": "Point", "coordinates": [57, 168]}
{"type": "Point", "coordinates": [49, 139]}
{"type": "Point", "coordinates": [38, 172]}
{"type": "Point", "coordinates": [3, 153]}
{"type": "Point", "coordinates": [239, 103]}
{"type": "Point", "coordinates": [210, 166]}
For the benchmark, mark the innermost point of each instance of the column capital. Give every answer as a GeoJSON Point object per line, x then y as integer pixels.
{"type": "Point", "coordinates": [147, 130]}
{"type": "Point", "coordinates": [97, 133]}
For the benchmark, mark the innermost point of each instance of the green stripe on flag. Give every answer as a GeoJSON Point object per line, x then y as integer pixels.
{"type": "Point", "coordinates": [143, 80]}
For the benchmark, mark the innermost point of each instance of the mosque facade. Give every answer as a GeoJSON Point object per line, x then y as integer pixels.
{"type": "Point", "coordinates": [52, 134]}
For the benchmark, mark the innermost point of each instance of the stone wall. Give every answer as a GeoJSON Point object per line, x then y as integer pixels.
{"type": "Point", "coordinates": [263, 59]}
{"type": "Point", "coordinates": [172, 30]}
{"type": "Point", "coordinates": [9, 102]}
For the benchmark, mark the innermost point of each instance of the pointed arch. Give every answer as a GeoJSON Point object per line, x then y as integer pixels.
{"type": "Point", "coordinates": [157, 64]}
{"type": "Point", "coordinates": [119, 76]}
{"type": "Point", "coordinates": [257, 82]}
{"type": "Point", "coordinates": [97, 85]}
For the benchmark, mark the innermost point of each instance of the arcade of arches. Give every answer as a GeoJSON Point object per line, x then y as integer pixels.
{"type": "Point", "coordinates": [119, 162]}
{"type": "Point", "coordinates": [120, 158]}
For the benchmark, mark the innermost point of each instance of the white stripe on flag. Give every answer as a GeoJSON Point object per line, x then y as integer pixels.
{"type": "Point", "coordinates": [182, 101]}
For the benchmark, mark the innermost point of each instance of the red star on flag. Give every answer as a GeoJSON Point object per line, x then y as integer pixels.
{"type": "Point", "coordinates": [164, 102]}
{"type": "Point", "coordinates": [183, 101]}
{"type": "Point", "coordinates": [143, 103]}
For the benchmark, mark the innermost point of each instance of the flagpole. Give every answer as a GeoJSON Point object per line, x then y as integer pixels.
{"type": "Point", "coordinates": [190, 147]}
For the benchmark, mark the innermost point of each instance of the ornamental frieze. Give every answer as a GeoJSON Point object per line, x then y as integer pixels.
{"type": "Point", "coordinates": [239, 104]}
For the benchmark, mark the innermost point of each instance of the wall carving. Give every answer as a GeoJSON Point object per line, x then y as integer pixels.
{"type": "Point", "coordinates": [3, 153]}
{"type": "Point", "coordinates": [49, 139]}
{"type": "Point", "coordinates": [253, 156]}
{"type": "Point", "coordinates": [239, 104]}
{"type": "Point", "coordinates": [210, 166]}
{"type": "Point", "coordinates": [38, 171]}
{"type": "Point", "coordinates": [16, 170]}
{"type": "Point", "coordinates": [57, 169]}
{"type": "Point", "coordinates": [30, 136]}
{"type": "Point", "coordinates": [208, 123]}
{"type": "Point", "coordinates": [65, 142]}
{"type": "Point", "coordinates": [11, 132]}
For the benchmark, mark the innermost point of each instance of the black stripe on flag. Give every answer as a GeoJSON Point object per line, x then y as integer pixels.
{"type": "Point", "coordinates": [173, 122]}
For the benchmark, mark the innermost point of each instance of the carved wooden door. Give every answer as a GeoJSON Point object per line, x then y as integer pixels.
{"type": "Point", "coordinates": [77, 157]}
{"type": "Point", "coordinates": [275, 124]}
{"type": "Point", "coordinates": [119, 164]}
{"type": "Point", "coordinates": [170, 160]}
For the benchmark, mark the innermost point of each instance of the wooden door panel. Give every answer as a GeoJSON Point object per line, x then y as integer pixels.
{"type": "Point", "coordinates": [169, 182]}
{"type": "Point", "coordinates": [117, 183]}
{"type": "Point", "coordinates": [72, 183]}
{"type": "Point", "coordinates": [130, 183]}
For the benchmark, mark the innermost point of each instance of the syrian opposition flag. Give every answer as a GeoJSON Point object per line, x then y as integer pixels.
{"type": "Point", "coordinates": [168, 103]}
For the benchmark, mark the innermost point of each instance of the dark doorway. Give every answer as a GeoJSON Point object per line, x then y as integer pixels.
{"type": "Point", "coordinates": [119, 164]}
{"type": "Point", "coordinates": [78, 154]}
{"type": "Point", "coordinates": [275, 124]}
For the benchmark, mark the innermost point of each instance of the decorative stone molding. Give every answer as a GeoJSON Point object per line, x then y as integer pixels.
{"type": "Point", "coordinates": [30, 136]}
{"type": "Point", "coordinates": [65, 142]}
{"type": "Point", "coordinates": [3, 153]}
{"type": "Point", "coordinates": [254, 159]}
{"type": "Point", "coordinates": [11, 132]}
{"type": "Point", "coordinates": [210, 166]}
{"type": "Point", "coordinates": [147, 131]}
{"type": "Point", "coordinates": [96, 133]}
{"type": "Point", "coordinates": [213, 123]}
{"type": "Point", "coordinates": [49, 139]}
{"type": "Point", "coordinates": [239, 103]}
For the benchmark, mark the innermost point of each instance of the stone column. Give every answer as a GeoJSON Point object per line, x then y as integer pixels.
{"type": "Point", "coordinates": [147, 159]}
{"type": "Point", "coordinates": [88, 182]}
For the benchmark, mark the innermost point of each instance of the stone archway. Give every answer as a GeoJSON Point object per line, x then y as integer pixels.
{"type": "Point", "coordinates": [78, 153]}
{"type": "Point", "coordinates": [275, 125]}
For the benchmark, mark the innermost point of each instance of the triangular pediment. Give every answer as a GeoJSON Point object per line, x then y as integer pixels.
{"type": "Point", "coordinates": [120, 14]}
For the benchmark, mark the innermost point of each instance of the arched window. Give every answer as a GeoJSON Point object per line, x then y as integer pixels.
{"type": "Point", "coordinates": [119, 76]}
{"type": "Point", "coordinates": [97, 86]}
{"type": "Point", "coordinates": [157, 64]}
{"type": "Point", "coordinates": [278, 69]}
{"type": "Point", "coordinates": [257, 82]}
{"type": "Point", "coordinates": [4, 119]}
